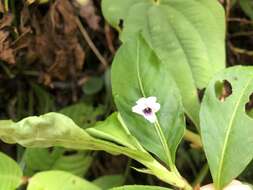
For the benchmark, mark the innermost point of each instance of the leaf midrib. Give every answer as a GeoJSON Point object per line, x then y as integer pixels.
{"type": "Point", "coordinates": [228, 134]}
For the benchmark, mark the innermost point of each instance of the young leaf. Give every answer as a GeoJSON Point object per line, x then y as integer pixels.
{"type": "Point", "coordinates": [53, 180]}
{"type": "Point", "coordinates": [137, 73]}
{"type": "Point", "coordinates": [10, 173]}
{"type": "Point", "coordinates": [225, 126]}
{"type": "Point", "coordinates": [187, 35]}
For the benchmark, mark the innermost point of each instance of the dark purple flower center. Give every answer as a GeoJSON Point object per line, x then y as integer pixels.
{"type": "Point", "coordinates": [147, 111]}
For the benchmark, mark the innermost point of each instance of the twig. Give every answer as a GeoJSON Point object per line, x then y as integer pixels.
{"type": "Point", "coordinates": [241, 20]}
{"type": "Point", "coordinates": [238, 34]}
{"type": "Point", "coordinates": [237, 50]}
{"type": "Point", "coordinates": [228, 7]}
{"type": "Point", "coordinates": [91, 44]}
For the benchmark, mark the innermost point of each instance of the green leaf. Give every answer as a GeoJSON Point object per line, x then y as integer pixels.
{"type": "Point", "coordinates": [75, 162]}
{"type": "Point", "coordinates": [113, 10]}
{"type": "Point", "coordinates": [109, 181]}
{"type": "Point", "coordinates": [225, 126]}
{"type": "Point", "coordinates": [137, 73]}
{"type": "Point", "coordinates": [83, 114]}
{"type": "Point", "coordinates": [247, 7]}
{"type": "Point", "coordinates": [44, 101]}
{"type": "Point", "coordinates": [54, 129]}
{"type": "Point", "coordinates": [10, 173]}
{"type": "Point", "coordinates": [187, 35]}
{"type": "Point", "coordinates": [111, 129]}
{"type": "Point", "coordinates": [139, 187]}
{"type": "Point", "coordinates": [93, 85]}
{"type": "Point", "coordinates": [53, 180]}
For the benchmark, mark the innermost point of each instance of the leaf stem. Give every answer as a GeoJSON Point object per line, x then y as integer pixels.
{"type": "Point", "coordinates": [171, 165]}
{"type": "Point", "coordinates": [165, 146]}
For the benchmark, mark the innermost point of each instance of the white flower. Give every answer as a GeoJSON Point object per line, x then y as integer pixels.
{"type": "Point", "coordinates": [234, 185]}
{"type": "Point", "coordinates": [147, 107]}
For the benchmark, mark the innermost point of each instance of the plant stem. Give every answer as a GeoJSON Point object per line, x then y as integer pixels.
{"type": "Point", "coordinates": [193, 138]}
{"type": "Point", "coordinates": [201, 176]}
{"type": "Point", "coordinates": [168, 155]}
{"type": "Point", "coordinates": [6, 5]}
{"type": "Point", "coordinates": [165, 146]}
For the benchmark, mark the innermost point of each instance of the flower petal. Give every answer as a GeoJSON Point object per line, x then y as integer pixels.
{"type": "Point", "coordinates": [151, 118]}
{"type": "Point", "coordinates": [138, 109]}
{"type": "Point", "coordinates": [156, 107]}
{"type": "Point", "coordinates": [141, 101]}
{"type": "Point", "coordinates": [151, 99]}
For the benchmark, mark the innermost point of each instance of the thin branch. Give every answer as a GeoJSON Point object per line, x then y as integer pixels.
{"type": "Point", "coordinates": [91, 44]}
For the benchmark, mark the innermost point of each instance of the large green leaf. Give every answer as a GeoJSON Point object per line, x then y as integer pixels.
{"type": "Point", "coordinates": [54, 129]}
{"type": "Point", "coordinates": [187, 35]}
{"type": "Point", "coordinates": [10, 173]}
{"type": "Point", "coordinates": [59, 180]}
{"type": "Point", "coordinates": [41, 159]}
{"type": "Point", "coordinates": [139, 187]}
{"type": "Point", "coordinates": [225, 126]}
{"type": "Point", "coordinates": [137, 73]}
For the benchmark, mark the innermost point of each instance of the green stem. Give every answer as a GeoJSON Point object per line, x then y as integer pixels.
{"type": "Point", "coordinates": [193, 138]}
{"type": "Point", "coordinates": [201, 176]}
{"type": "Point", "coordinates": [165, 146]}
{"type": "Point", "coordinates": [6, 5]}
{"type": "Point", "coordinates": [171, 165]}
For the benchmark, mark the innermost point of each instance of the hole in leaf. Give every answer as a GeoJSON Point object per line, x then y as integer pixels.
{"type": "Point", "coordinates": [249, 106]}
{"type": "Point", "coordinates": [121, 23]}
{"type": "Point", "coordinates": [223, 90]}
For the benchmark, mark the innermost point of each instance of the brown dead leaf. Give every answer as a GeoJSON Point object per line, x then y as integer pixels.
{"type": "Point", "coordinates": [88, 12]}
{"type": "Point", "coordinates": [6, 21]}
{"type": "Point", "coordinates": [54, 43]}
{"type": "Point", "coordinates": [7, 53]}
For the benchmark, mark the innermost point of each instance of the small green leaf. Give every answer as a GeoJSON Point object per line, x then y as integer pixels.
{"type": "Point", "coordinates": [54, 180]}
{"type": "Point", "coordinates": [75, 162]}
{"type": "Point", "coordinates": [93, 85]}
{"type": "Point", "coordinates": [225, 126]}
{"type": "Point", "coordinates": [10, 173]}
{"type": "Point", "coordinates": [137, 73]}
{"type": "Point", "coordinates": [83, 114]}
{"type": "Point", "coordinates": [109, 181]}
{"type": "Point", "coordinates": [139, 187]}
